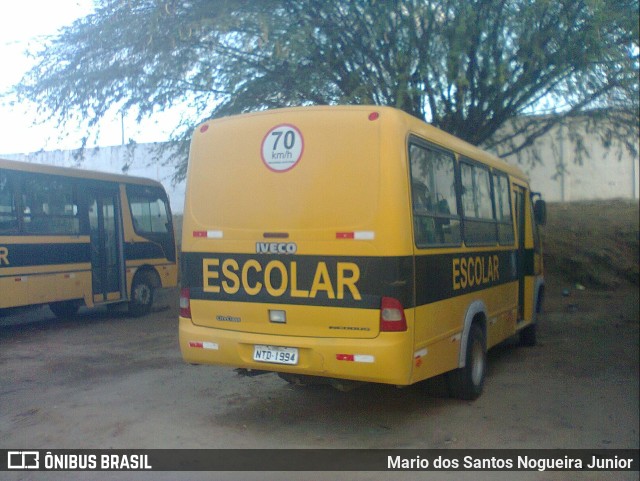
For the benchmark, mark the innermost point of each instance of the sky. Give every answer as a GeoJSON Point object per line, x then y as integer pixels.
{"type": "Point", "coordinates": [25, 24]}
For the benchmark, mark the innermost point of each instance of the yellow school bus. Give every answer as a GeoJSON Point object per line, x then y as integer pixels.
{"type": "Point", "coordinates": [71, 237]}
{"type": "Point", "coordinates": [354, 243]}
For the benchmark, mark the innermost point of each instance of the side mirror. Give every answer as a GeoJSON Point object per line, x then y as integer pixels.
{"type": "Point", "coordinates": [540, 212]}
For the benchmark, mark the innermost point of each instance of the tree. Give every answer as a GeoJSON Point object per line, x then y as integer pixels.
{"type": "Point", "coordinates": [470, 67]}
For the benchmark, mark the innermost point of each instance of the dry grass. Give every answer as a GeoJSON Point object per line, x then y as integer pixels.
{"type": "Point", "coordinates": [593, 243]}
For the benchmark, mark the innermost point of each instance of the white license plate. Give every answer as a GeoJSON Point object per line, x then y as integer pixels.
{"type": "Point", "coordinates": [275, 354]}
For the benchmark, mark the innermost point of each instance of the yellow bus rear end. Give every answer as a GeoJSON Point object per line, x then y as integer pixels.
{"type": "Point", "coordinates": [294, 258]}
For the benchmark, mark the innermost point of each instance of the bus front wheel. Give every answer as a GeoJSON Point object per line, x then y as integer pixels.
{"type": "Point", "coordinates": [141, 294]}
{"type": "Point", "coordinates": [467, 382]}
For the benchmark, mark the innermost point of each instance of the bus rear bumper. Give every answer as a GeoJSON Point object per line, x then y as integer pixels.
{"type": "Point", "coordinates": [382, 360]}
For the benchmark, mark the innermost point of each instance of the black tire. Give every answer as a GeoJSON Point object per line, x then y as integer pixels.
{"type": "Point", "coordinates": [528, 336]}
{"type": "Point", "coordinates": [467, 382]}
{"type": "Point", "coordinates": [64, 308]}
{"type": "Point", "coordinates": [142, 294]}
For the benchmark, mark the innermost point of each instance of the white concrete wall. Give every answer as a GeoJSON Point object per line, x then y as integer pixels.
{"type": "Point", "coordinates": [605, 173]}
{"type": "Point", "coordinates": [111, 159]}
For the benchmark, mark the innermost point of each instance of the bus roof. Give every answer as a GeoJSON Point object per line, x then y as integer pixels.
{"type": "Point", "coordinates": [461, 147]}
{"type": "Point", "coordinates": [412, 124]}
{"type": "Point", "coordinates": [74, 172]}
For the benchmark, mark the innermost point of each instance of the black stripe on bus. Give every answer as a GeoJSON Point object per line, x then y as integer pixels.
{"type": "Point", "coordinates": [134, 251]}
{"type": "Point", "coordinates": [47, 254]}
{"type": "Point", "coordinates": [30, 255]}
{"type": "Point", "coordinates": [389, 276]}
{"type": "Point", "coordinates": [443, 276]}
{"type": "Point", "coordinates": [437, 277]}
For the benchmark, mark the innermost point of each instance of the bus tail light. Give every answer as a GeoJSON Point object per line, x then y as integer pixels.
{"type": "Point", "coordinates": [185, 303]}
{"type": "Point", "coordinates": [392, 315]}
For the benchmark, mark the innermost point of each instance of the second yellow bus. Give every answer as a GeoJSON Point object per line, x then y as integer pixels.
{"type": "Point", "coordinates": [72, 238]}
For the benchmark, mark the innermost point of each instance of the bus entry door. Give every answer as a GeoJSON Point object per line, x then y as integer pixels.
{"type": "Point", "coordinates": [107, 266]}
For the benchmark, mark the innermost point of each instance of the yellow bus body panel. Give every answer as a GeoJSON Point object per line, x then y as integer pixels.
{"type": "Point", "coordinates": [386, 359]}
{"type": "Point", "coordinates": [352, 179]}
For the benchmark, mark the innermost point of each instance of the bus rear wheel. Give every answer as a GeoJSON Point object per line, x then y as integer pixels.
{"type": "Point", "coordinates": [467, 382]}
{"type": "Point", "coordinates": [64, 309]}
{"type": "Point", "coordinates": [141, 294]}
{"type": "Point", "coordinates": [527, 336]}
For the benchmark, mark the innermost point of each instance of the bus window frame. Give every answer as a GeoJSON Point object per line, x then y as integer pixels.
{"type": "Point", "coordinates": [12, 183]}
{"type": "Point", "coordinates": [505, 176]}
{"type": "Point", "coordinates": [464, 218]}
{"type": "Point", "coordinates": [130, 191]}
{"type": "Point", "coordinates": [73, 188]}
{"type": "Point", "coordinates": [166, 240]}
{"type": "Point", "coordinates": [18, 180]}
{"type": "Point", "coordinates": [424, 144]}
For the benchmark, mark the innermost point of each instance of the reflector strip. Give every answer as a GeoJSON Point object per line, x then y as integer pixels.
{"type": "Point", "coordinates": [344, 357]}
{"type": "Point", "coordinates": [356, 235]}
{"type": "Point", "coordinates": [363, 358]}
{"type": "Point", "coordinates": [203, 345]}
{"type": "Point", "coordinates": [209, 234]}
{"type": "Point", "coordinates": [356, 357]}
{"type": "Point", "coordinates": [420, 353]}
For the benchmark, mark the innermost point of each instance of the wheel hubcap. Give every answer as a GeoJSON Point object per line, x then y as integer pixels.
{"type": "Point", "coordinates": [143, 294]}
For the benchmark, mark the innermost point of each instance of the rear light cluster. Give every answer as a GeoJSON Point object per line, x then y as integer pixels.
{"type": "Point", "coordinates": [185, 303]}
{"type": "Point", "coordinates": [392, 315]}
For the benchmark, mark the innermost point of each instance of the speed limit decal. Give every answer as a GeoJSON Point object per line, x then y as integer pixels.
{"type": "Point", "coordinates": [282, 148]}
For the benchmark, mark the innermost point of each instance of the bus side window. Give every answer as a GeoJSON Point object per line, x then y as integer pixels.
{"type": "Point", "coordinates": [477, 205]}
{"type": "Point", "coordinates": [8, 212]}
{"type": "Point", "coordinates": [149, 210]}
{"type": "Point", "coordinates": [502, 201]}
{"type": "Point", "coordinates": [50, 206]}
{"type": "Point", "coordinates": [433, 192]}
{"type": "Point", "coordinates": [424, 226]}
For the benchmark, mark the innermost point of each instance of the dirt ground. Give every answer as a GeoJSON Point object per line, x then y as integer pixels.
{"type": "Point", "coordinates": [107, 381]}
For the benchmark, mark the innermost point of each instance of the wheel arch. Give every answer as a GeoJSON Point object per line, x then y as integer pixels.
{"type": "Point", "coordinates": [476, 313]}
